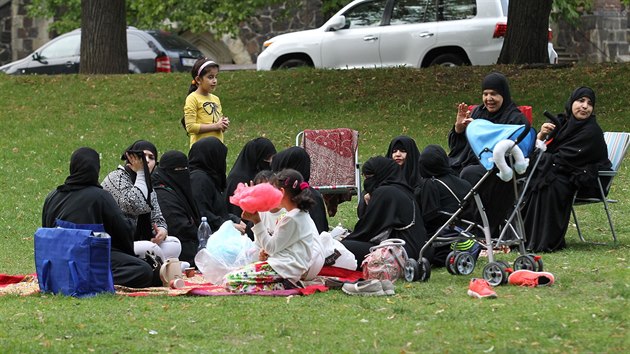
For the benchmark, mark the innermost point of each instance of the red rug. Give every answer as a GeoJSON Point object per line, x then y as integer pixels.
{"type": "Point", "coordinates": [194, 286]}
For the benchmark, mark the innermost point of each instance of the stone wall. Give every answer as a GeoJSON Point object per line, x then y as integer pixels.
{"type": "Point", "coordinates": [602, 36]}
{"type": "Point", "coordinates": [5, 32]}
{"type": "Point", "coordinates": [20, 35]}
{"type": "Point", "coordinates": [276, 20]}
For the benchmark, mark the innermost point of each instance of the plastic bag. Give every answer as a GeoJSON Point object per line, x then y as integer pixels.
{"type": "Point", "coordinates": [225, 251]}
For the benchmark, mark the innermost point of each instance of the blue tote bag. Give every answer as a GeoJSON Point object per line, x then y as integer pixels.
{"type": "Point", "coordinates": [73, 260]}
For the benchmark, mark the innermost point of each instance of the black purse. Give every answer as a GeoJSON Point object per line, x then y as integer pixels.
{"type": "Point", "coordinates": [155, 262]}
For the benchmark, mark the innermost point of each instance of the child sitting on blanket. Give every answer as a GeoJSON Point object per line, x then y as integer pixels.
{"type": "Point", "coordinates": [285, 257]}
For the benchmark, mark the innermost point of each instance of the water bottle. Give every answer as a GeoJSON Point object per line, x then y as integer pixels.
{"type": "Point", "coordinates": [203, 233]}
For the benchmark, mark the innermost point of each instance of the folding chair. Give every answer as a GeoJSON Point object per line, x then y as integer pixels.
{"type": "Point", "coordinates": [617, 143]}
{"type": "Point", "coordinates": [334, 160]}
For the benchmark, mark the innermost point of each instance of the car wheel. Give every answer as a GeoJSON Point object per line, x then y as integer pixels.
{"type": "Point", "coordinates": [448, 60]}
{"type": "Point", "coordinates": [292, 63]}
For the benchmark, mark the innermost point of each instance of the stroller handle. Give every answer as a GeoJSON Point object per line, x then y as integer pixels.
{"type": "Point", "coordinates": [556, 121]}
{"type": "Point", "coordinates": [552, 118]}
{"type": "Point", "coordinates": [524, 134]}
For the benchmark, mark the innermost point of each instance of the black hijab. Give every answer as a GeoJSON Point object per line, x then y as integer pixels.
{"type": "Point", "coordinates": [251, 159]}
{"type": "Point", "coordinates": [140, 146]}
{"type": "Point", "coordinates": [295, 158]}
{"type": "Point", "coordinates": [381, 171]}
{"type": "Point", "coordinates": [173, 173]}
{"type": "Point", "coordinates": [434, 162]}
{"type": "Point", "coordinates": [410, 167]}
{"type": "Point", "coordinates": [578, 149]}
{"type": "Point", "coordinates": [208, 155]}
{"type": "Point", "coordinates": [85, 166]}
{"type": "Point", "coordinates": [509, 112]}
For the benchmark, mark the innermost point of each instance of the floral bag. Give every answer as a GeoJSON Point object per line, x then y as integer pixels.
{"type": "Point", "coordinates": [385, 261]}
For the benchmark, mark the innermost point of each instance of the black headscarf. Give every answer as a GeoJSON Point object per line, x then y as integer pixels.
{"type": "Point", "coordinates": [508, 112]}
{"type": "Point", "coordinates": [295, 158]}
{"type": "Point", "coordinates": [139, 146]}
{"type": "Point", "coordinates": [381, 171]}
{"type": "Point", "coordinates": [434, 162]}
{"type": "Point", "coordinates": [251, 159]}
{"type": "Point", "coordinates": [410, 167]}
{"type": "Point", "coordinates": [249, 162]}
{"type": "Point", "coordinates": [570, 125]}
{"type": "Point", "coordinates": [173, 173]}
{"type": "Point", "coordinates": [85, 166]}
{"type": "Point", "coordinates": [208, 155]}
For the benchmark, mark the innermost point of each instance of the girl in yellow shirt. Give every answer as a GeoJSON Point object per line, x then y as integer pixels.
{"type": "Point", "coordinates": [202, 112]}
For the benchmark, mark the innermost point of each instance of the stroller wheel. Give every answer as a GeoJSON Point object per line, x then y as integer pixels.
{"type": "Point", "coordinates": [450, 262]}
{"type": "Point", "coordinates": [424, 270]}
{"type": "Point", "coordinates": [464, 263]}
{"type": "Point", "coordinates": [539, 262]}
{"type": "Point", "coordinates": [495, 274]}
{"type": "Point", "coordinates": [525, 262]}
{"type": "Point", "coordinates": [412, 270]}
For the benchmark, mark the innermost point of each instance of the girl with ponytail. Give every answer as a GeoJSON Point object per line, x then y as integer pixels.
{"type": "Point", "coordinates": [284, 258]}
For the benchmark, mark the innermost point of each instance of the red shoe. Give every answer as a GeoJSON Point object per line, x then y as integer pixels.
{"type": "Point", "coordinates": [480, 288]}
{"type": "Point", "coordinates": [526, 277]}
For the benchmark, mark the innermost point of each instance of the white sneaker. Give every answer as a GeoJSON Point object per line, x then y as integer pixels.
{"type": "Point", "coordinates": [364, 288]}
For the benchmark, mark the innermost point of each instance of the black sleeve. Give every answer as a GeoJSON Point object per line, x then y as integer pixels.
{"type": "Point", "coordinates": [117, 225]}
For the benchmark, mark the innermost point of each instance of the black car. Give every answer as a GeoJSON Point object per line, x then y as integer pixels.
{"type": "Point", "coordinates": [149, 51]}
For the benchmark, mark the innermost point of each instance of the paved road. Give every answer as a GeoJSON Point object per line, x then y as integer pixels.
{"type": "Point", "coordinates": [232, 67]}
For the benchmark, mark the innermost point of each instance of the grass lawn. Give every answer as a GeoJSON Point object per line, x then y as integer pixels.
{"type": "Point", "coordinates": [45, 118]}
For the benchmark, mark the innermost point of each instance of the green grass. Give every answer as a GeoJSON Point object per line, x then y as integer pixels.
{"type": "Point", "coordinates": [45, 118]}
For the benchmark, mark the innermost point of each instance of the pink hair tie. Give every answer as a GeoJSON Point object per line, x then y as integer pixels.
{"type": "Point", "coordinates": [303, 185]}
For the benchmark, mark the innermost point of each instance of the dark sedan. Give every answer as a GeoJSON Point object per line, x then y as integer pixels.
{"type": "Point", "coordinates": [149, 51]}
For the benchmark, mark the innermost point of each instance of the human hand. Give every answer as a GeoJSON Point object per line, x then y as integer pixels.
{"type": "Point", "coordinates": [241, 227]}
{"type": "Point", "coordinates": [262, 255]}
{"type": "Point", "coordinates": [463, 118]}
{"type": "Point", "coordinates": [225, 123]}
{"type": "Point", "coordinates": [545, 129]}
{"type": "Point", "coordinates": [135, 161]}
{"type": "Point", "coordinates": [366, 198]}
{"type": "Point", "coordinates": [159, 234]}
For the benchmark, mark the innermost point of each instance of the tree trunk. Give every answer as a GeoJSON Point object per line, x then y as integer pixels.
{"type": "Point", "coordinates": [103, 37]}
{"type": "Point", "coordinates": [526, 37]}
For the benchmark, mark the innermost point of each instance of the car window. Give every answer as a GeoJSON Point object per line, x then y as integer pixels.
{"type": "Point", "coordinates": [136, 44]}
{"type": "Point", "coordinates": [63, 47]}
{"type": "Point", "coordinates": [171, 42]}
{"type": "Point", "coordinates": [451, 10]}
{"type": "Point", "coordinates": [413, 11]}
{"type": "Point", "coordinates": [366, 14]}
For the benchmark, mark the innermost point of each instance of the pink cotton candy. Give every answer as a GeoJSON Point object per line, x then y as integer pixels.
{"type": "Point", "coordinates": [261, 197]}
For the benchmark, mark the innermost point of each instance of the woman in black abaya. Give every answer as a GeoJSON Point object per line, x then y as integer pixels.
{"type": "Point", "coordinates": [206, 160]}
{"type": "Point", "coordinates": [570, 162]}
{"type": "Point", "coordinates": [404, 151]}
{"type": "Point", "coordinates": [297, 158]}
{"type": "Point", "coordinates": [433, 196]}
{"type": "Point", "coordinates": [171, 181]}
{"type": "Point", "coordinates": [497, 196]}
{"type": "Point", "coordinates": [254, 157]}
{"type": "Point", "coordinates": [392, 206]}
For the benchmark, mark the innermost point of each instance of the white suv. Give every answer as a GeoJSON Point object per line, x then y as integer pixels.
{"type": "Point", "coordinates": [382, 33]}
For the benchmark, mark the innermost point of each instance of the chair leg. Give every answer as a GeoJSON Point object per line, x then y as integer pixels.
{"type": "Point", "coordinates": [577, 224]}
{"type": "Point", "coordinates": [612, 228]}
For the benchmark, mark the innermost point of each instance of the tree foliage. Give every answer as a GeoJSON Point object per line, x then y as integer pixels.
{"type": "Point", "coordinates": [218, 16]}
{"type": "Point", "coordinates": [570, 10]}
